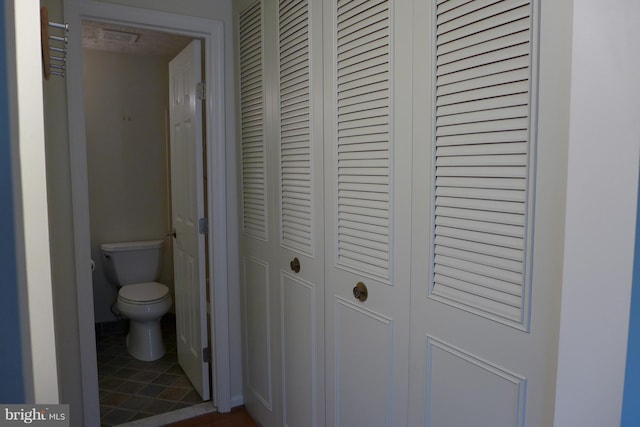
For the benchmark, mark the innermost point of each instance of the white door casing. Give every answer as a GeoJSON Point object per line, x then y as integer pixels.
{"type": "Point", "coordinates": [487, 177]}
{"type": "Point", "coordinates": [187, 194]}
{"type": "Point", "coordinates": [221, 166]}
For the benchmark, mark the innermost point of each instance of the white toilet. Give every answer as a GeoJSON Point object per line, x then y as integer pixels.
{"type": "Point", "coordinates": [134, 267]}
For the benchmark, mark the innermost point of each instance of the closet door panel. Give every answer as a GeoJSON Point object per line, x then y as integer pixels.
{"type": "Point", "coordinates": [488, 120]}
{"type": "Point", "coordinates": [367, 210]}
{"type": "Point", "coordinates": [258, 324]}
{"type": "Point", "coordinates": [258, 239]}
{"type": "Point", "coordinates": [298, 172]}
{"type": "Point", "coordinates": [299, 347]}
{"type": "Point", "coordinates": [281, 152]}
{"type": "Point", "coordinates": [362, 393]}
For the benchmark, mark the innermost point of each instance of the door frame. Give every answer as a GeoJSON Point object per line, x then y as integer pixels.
{"type": "Point", "coordinates": [211, 32]}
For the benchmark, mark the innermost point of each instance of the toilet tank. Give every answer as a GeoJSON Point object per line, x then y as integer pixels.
{"type": "Point", "coordinates": [132, 262]}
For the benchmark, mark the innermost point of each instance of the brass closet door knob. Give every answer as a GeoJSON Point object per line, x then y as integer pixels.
{"type": "Point", "coordinates": [295, 265]}
{"type": "Point", "coordinates": [360, 292]}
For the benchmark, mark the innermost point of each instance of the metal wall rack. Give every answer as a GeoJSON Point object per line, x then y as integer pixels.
{"type": "Point", "coordinates": [54, 46]}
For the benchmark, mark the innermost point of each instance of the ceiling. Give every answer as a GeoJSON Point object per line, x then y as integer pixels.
{"type": "Point", "coordinates": [122, 39]}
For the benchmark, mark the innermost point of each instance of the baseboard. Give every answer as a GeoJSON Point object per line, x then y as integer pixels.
{"type": "Point", "coordinates": [237, 400]}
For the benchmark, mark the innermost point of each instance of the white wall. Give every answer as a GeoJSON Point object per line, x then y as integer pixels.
{"type": "Point", "coordinates": [126, 99]}
{"type": "Point", "coordinates": [601, 210]}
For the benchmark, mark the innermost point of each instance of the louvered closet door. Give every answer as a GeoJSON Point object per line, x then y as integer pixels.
{"type": "Point", "coordinates": [258, 236]}
{"type": "Point", "coordinates": [485, 262]}
{"type": "Point", "coordinates": [367, 208]}
{"type": "Point", "coordinates": [282, 253]}
{"type": "Point", "coordinates": [299, 212]}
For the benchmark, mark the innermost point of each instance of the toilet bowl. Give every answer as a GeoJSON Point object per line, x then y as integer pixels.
{"type": "Point", "coordinates": [144, 304]}
{"type": "Point", "coordinates": [133, 266]}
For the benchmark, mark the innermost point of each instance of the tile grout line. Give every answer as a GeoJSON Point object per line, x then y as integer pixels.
{"type": "Point", "coordinates": [131, 389]}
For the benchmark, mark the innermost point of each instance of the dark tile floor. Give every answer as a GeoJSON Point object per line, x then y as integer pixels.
{"type": "Point", "coordinates": [131, 389]}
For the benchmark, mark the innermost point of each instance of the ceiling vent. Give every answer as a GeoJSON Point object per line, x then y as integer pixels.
{"type": "Point", "coordinates": [118, 36]}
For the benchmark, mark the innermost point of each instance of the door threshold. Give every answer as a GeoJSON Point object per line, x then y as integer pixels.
{"type": "Point", "coordinates": [173, 416]}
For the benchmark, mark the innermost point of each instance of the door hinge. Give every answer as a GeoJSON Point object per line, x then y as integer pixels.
{"type": "Point", "coordinates": [203, 225]}
{"type": "Point", "coordinates": [206, 355]}
{"type": "Point", "coordinates": [201, 91]}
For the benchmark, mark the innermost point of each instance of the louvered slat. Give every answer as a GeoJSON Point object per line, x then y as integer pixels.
{"type": "Point", "coordinates": [482, 116]}
{"type": "Point", "coordinates": [296, 185]}
{"type": "Point", "coordinates": [363, 131]}
{"type": "Point", "coordinates": [254, 217]}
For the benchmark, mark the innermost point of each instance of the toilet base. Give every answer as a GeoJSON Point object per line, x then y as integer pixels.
{"type": "Point", "coordinates": [144, 340]}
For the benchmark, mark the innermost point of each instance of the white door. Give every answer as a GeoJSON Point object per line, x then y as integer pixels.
{"type": "Point", "coordinates": [282, 252]}
{"type": "Point", "coordinates": [187, 183]}
{"type": "Point", "coordinates": [367, 215]}
{"type": "Point", "coordinates": [258, 267]}
{"type": "Point", "coordinates": [487, 212]}
{"type": "Point", "coordinates": [300, 248]}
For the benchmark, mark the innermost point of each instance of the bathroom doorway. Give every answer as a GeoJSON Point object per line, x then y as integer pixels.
{"type": "Point", "coordinates": [126, 107]}
{"type": "Point", "coordinates": [219, 164]}
{"type": "Point", "coordinates": [126, 87]}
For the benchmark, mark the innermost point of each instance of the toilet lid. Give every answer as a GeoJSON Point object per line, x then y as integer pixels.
{"type": "Point", "coordinates": [147, 292]}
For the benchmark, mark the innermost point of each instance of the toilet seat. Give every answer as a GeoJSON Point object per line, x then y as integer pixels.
{"type": "Point", "coordinates": [143, 293]}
